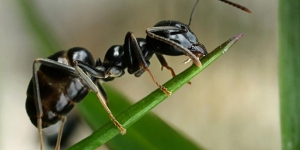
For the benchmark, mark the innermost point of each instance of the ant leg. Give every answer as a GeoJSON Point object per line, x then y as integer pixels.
{"type": "Point", "coordinates": [100, 72]}
{"type": "Point", "coordinates": [51, 63]}
{"type": "Point", "coordinates": [165, 90]}
{"type": "Point", "coordinates": [150, 33]}
{"type": "Point", "coordinates": [164, 63]}
{"type": "Point", "coordinates": [63, 120]}
{"type": "Point", "coordinates": [97, 73]}
{"type": "Point", "coordinates": [36, 89]}
{"type": "Point", "coordinates": [100, 94]}
{"type": "Point", "coordinates": [103, 92]}
{"type": "Point", "coordinates": [131, 45]}
{"type": "Point", "coordinates": [38, 102]}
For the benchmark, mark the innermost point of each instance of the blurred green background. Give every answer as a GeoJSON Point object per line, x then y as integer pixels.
{"type": "Point", "coordinates": [238, 111]}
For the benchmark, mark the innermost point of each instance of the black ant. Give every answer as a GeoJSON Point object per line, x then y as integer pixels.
{"type": "Point", "coordinates": [66, 77]}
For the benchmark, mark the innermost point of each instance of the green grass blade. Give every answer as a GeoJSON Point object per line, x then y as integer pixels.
{"type": "Point", "coordinates": [289, 73]}
{"type": "Point", "coordinates": [141, 108]}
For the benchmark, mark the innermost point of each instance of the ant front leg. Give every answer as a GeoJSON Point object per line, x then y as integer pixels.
{"type": "Point", "coordinates": [136, 61]}
{"type": "Point", "coordinates": [37, 95]}
{"type": "Point", "coordinates": [150, 33]}
{"type": "Point", "coordinates": [98, 89]}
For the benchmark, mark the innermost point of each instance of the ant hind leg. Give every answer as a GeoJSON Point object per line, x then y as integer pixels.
{"type": "Point", "coordinates": [63, 120]}
{"type": "Point", "coordinates": [38, 103]}
{"type": "Point", "coordinates": [100, 94]}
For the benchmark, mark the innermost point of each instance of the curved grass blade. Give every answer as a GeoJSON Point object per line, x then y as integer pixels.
{"type": "Point", "coordinates": [141, 108]}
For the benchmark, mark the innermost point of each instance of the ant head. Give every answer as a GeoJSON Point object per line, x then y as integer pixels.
{"type": "Point", "coordinates": [175, 38]}
{"type": "Point", "coordinates": [201, 50]}
{"type": "Point", "coordinates": [189, 40]}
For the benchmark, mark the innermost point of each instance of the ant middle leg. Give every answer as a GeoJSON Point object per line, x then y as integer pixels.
{"type": "Point", "coordinates": [59, 135]}
{"type": "Point", "coordinates": [134, 56]}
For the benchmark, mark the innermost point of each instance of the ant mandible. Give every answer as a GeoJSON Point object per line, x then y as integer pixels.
{"type": "Point", "coordinates": [66, 77]}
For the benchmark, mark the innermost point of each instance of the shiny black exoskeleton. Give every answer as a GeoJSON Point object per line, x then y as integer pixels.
{"type": "Point", "coordinates": [59, 90]}
{"type": "Point", "coordinates": [61, 81]}
{"type": "Point", "coordinates": [171, 38]}
{"type": "Point", "coordinates": [66, 77]}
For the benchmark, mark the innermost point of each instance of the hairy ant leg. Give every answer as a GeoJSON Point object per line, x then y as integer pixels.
{"type": "Point", "coordinates": [98, 89]}
{"type": "Point", "coordinates": [150, 32]}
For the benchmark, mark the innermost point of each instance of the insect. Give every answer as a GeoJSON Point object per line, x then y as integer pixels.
{"type": "Point", "coordinates": [66, 77]}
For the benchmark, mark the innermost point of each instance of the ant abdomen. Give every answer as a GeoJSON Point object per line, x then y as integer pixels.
{"type": "Point", "coordinates": [59, 90]}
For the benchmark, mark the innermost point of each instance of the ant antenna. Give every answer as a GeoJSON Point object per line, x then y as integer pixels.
{"type": "Point", "coordinates": [236, 5]}
{"type": "Point", "coordinates": [192, 13]}
{"type": "Point", "coordinates": [224, 1]}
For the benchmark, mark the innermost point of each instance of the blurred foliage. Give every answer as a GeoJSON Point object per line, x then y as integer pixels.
{"type": "Point", "coordinates": [289, 73]}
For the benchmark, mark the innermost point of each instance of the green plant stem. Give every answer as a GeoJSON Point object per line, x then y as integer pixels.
{"type": "Point", "coordinates": [289, 73]}
{"type": "Point", "coordinates": [138, 110]}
